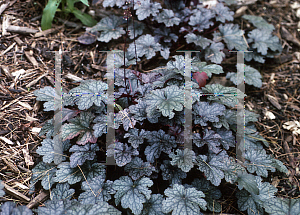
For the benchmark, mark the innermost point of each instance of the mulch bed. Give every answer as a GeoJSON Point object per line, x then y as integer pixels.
{"type": "Point", "coordinates": [27, 63]}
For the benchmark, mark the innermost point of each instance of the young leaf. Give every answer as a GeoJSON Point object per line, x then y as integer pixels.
{"type": "Point", "coordinates": [82, 153]}
{"type": "Point", "coordinates": [79, 125]}
{"type": "Point", "coordinates": [137, 168]}
{"type": "Point", "coordinates": [85, 18]}
{"type": "Point", "coordinates": [146, 8]}
{"type": "Point", "coordinates": [183, 201]}
{"type": "Point", "coordinates": [132, 194]}
{"type": "Point", "coordinates": [184, 159]}
{"type": "Point", "coordinates": [89, 92]}
{"type": "Point", "coordinates": [96, 190]}
{"type": "Point", "coordinates": [167, 17]}
{"type": "Point", "coordinates": [200, 78]}
{"type": "Point", "coordinates": [166, 100]}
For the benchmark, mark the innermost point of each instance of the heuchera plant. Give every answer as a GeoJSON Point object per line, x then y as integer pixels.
{"type": "Point", "coordinates": [149, 123]}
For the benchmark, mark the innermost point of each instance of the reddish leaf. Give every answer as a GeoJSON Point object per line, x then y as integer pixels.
{"type": "Point", "coordinates": [200, 78]}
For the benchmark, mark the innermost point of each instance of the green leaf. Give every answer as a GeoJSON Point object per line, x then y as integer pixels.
{"type": "Point", "coordinates": [10, 208]}
{"type": "Point", "coordinates": [153, 205]}
{"type": "Point", "coordinates": [251, 77]}
{"type": "Point", "coordinates": [137, 168]}
{"type": "Point", "coordinates": [85, 18]}
{"type": "Point", "coordinates": [183, 201]}
{"type": "Point", "coordinates": [254, 203]}
{"type": "Point", "coordinates": [166, 100]}
{"type": "Point", "coordinates": [231, 97]}
{"type": "Point", "coordinates": [146, 8]}
{"type": "Point", "coordinates": [213, 166]}
{"type": "Point", "coordinates": [144, 45]}
{"type": "Point", "coordinates": [73, 175]}
{"type": "Point", "coordinates": [47, 149]}
{"type": "Point", "coordinates": [96, 190]}
{"type": "Point", "coordinates": [232, 36]}
{"type": "Point", "coordinates": [61, 192]}
{"type": "Point", "coordinates": [184, 159]}
{"type": "Point", "coordinates": [44, 172]}
{"type": "Point", "coordinates": [214, 52]}
{"type": "Point", "coordinates": [167, 17]}
{"type": "Point", "coordinates": [259, 22]}
{"type": "Point", "coordinates": [198, 66]}
{"type": "Point", "coordinates": [263, 40]}
{"type": "Point", "coordinates": [89, 92]}
{"type": "Point", "coordinates": [86, 2]}
{"type": "Point", "coordinates": [82, 153]}
{"type": "Point", "coordinates": [248, 182]}
{"type": "Point", "coordinates": [48, 13]}
{"type": "Point", "coordinates": [79, 125]}
{"type": "Point", "coordinates": [48, 95]}
{"type": "Point", "coordinates": [198, 40]}
{"type": "Point", "coordinates": [211, 194]}
{"type": "Point", "coordinates": [109, 27]}
{"type": "Point", "coordinates": [2, 193]}
{"type": "Point", "coordinates": [258, 161]}
{"type": "Point", "coordinates": [279, 206]}
{"type": "Point", "coordinates": [132, 194]}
